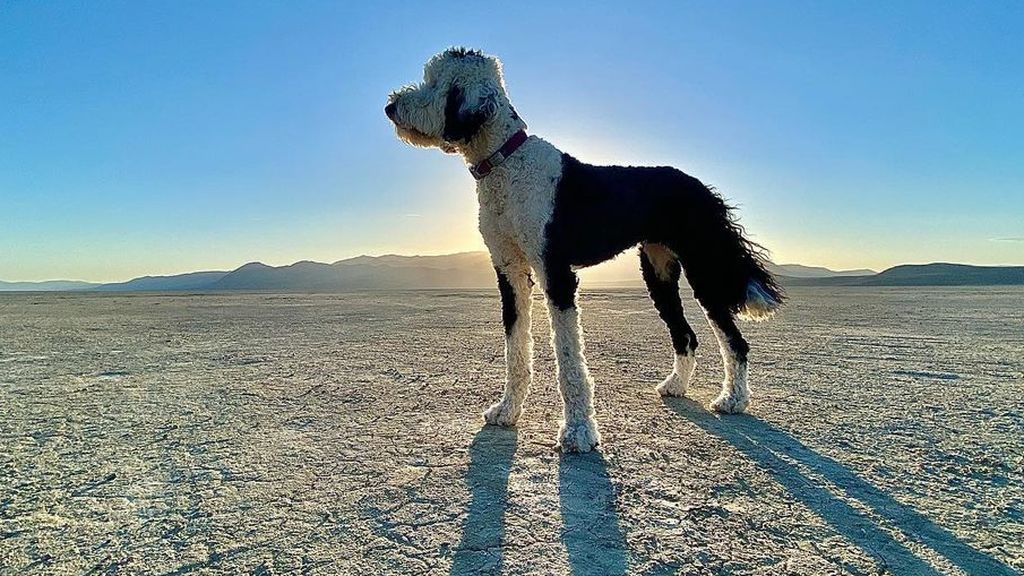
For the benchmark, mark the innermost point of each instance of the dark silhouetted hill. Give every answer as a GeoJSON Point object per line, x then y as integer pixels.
{"type": "Point", "coordinates": [941, 274]}
{"type": "Point", "coordinates": [938, 274]}
{"type": "Point", "coordinates": [391, 272]}
{"type": "Point", "coordinates": [801, 271]}
{"type": "Point", "coordinates": [190, 281]}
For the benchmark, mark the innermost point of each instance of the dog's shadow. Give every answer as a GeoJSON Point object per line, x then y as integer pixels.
{"type": "Point", "coordinates": [782, 455]}
{"type": "Point", "coordinates": [595, 543]}
{"type": "Point", "coordinates": [590, 523]}
{"type": "Point", "coordinates": [483, 531]}
{"type": "Point", "coordinates": [593, 540]}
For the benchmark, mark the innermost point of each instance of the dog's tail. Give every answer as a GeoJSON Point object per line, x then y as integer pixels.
{"type": "Point", "coordinates": [725, 268]}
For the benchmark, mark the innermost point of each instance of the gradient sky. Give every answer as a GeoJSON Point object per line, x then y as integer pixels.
{"type": "Point", "coordinates": [162, 137]}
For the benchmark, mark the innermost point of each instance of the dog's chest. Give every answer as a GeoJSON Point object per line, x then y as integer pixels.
{"type": "Point", "coordinates": [517, 199]}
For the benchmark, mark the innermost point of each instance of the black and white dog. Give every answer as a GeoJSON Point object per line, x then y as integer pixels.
{"type": "Point", "coordinates": [545, 212]}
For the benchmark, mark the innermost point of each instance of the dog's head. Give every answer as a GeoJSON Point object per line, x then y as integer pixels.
{"type": "Point", "coordinates": [461, 93]}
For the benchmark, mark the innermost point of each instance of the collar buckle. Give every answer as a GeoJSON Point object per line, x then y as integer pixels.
{"type": "Point", "coordinates": [500, 155]}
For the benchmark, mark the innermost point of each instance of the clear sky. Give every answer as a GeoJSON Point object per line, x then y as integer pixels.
{"type": "Point", "coordinates": [162, 137]}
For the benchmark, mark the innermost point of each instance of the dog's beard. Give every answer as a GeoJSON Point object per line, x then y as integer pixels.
{"type": "Point", "coordinates": [417, 138]}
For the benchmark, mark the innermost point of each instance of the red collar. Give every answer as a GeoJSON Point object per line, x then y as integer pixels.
{"type": "Point", "coordinates": [494, 160]}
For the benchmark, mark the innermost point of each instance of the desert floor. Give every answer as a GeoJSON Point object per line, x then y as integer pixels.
{"type": "Point", "coordinates": [341, 434]}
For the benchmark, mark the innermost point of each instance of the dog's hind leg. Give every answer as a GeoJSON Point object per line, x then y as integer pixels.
{"type": "Point", "coordinates": [516, 287]}
{"type": "Point", "coordinates": [578, 431]}
{"type": "Point", "coordinates": [661, 272]}
{"type": "Point", "coordinates": [735, 394]}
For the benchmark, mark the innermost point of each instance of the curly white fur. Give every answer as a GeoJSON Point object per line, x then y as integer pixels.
{"type": "Point", "coordinates": [518, 350]}
{"type": "Point", "coordinates": [683, 368]}
{"type": "Point", "coordinates": [760, 305]}
{"type": "Point", "coordinates": [735, 394]}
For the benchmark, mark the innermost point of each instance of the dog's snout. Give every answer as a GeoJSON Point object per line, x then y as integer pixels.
{"type": "Point", "coordinates": [390, 110]}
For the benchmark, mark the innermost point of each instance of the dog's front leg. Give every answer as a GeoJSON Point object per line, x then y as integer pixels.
{"type": "Point", "coordinates": [578, 432]}
{"type": "Point", "coordinates": [516, 287]}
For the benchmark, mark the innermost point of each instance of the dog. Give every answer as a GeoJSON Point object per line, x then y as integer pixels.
{"type": "Point", "coordinates": [544, 212]}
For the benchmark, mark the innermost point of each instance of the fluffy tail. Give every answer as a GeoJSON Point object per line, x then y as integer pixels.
{"type": "Point", "coordinates": [764, 297]}
{"type": "Point", "coordinates": [725, 269]}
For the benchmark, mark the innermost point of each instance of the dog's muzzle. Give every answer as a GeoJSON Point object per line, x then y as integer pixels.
{"type": "Point", "coordinates": [389, 110]}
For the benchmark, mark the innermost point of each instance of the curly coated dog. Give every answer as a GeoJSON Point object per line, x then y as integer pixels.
{"type": "Point", "coordinates": [544, 212]}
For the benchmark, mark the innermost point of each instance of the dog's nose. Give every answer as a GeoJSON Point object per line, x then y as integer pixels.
{"type": "Point", "coordinates": [390, 110]}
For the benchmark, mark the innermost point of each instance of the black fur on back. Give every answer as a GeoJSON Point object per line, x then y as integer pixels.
{"type": "Point", "coordinates": [602, 210]}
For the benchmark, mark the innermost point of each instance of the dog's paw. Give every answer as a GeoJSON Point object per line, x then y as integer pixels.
{"type": "Point", "coordinates": [679, 380]}
{"type": "Point", "coordinates": [503, 414]}
{"type": "Point", "coordinates": [674, 385]}
{"type": "Point", "coordinates": [730, 403]}
{"type": "Point", "coordinates": [579, 436]}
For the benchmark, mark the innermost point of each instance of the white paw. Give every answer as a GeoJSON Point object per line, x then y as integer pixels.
{"type": "Point", "coordinates": [730, 403]}
{"type": "Point", "coordinates": [579, 436]}
{"type": "Point", "coordinates": [679, 379]}
{"type": "Point", "coordinates": [674, 385]}
{"type": "Point", "coordinates": [503, 414]}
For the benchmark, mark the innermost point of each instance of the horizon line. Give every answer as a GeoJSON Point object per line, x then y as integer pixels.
{"type": "Point", "coordinates": [459, 253]}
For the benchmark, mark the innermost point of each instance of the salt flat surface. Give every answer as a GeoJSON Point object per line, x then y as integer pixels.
{"type": "Point", "coordinates": [340, 434]}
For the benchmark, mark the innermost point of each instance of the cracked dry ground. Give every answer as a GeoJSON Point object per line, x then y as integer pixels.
{"type": "Point", "coordinates": [340, 434]}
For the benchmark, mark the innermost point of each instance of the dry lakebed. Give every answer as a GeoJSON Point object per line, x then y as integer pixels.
{"type": "Point", "coordinates": [341, 434]}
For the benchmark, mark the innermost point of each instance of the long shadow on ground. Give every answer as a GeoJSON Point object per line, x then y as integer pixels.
{"type": "Point", "coordinates": [490, 460]}
{"type": "Point", "coordinates": [591, 531]}
{"type": "Point", "coordinates": [775, 450]}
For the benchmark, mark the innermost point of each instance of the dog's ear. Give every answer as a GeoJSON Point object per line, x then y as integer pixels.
{"type": "Point", "coordinates": [466, 111]}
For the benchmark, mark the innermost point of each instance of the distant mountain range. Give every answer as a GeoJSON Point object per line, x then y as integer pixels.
{"type": "Point", "coordinates": [179, 282]}
{"type": "Point", "coordinates": [391, 272]}
{"type": "Point", "coordinates": [48, 286]}
{"type": "Point", "coordinates": [465, 270]}
{"type": "Point", "coordinates": [473, 270]}
{"type": "Point", "coordinates": [939, 274]}
{"type": "Point", "coordinates": [801, 271]}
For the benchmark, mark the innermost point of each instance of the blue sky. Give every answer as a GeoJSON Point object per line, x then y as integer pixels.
{"type": "Point", "coordinates": [162, 137]}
